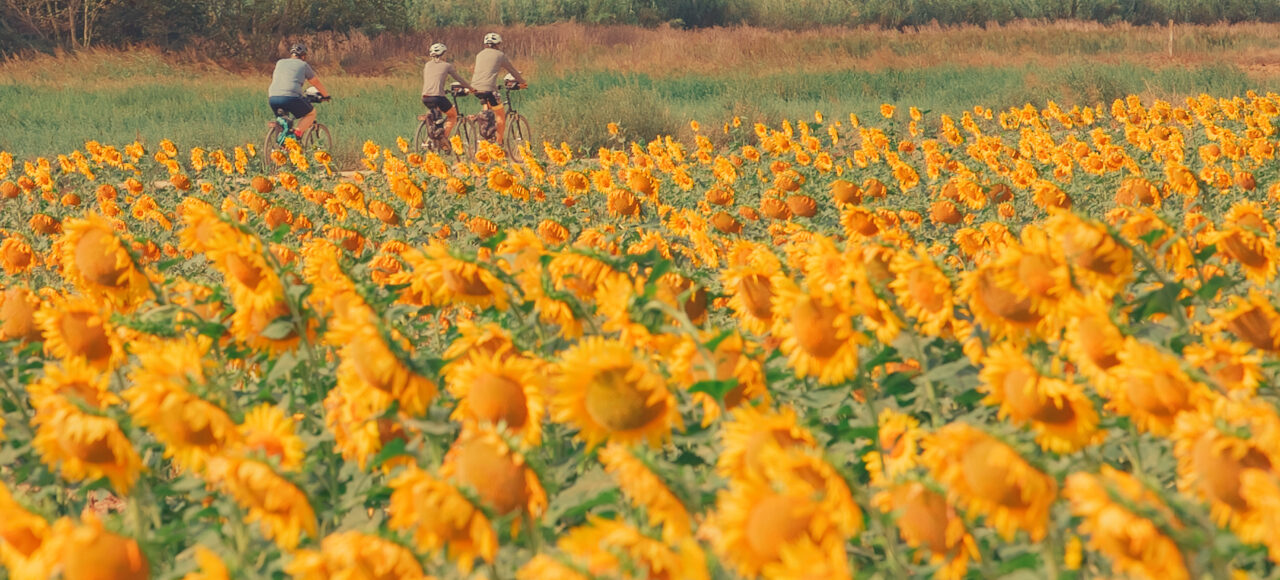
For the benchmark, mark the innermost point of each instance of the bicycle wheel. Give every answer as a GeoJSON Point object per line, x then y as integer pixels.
{"type": "Point", "coordinates": [270, 144]}
{"type": "Point", "coordinates": [317, 139]}
{"type": "Point", "coordinates": [466, 132]}
{"type": "Point", "coordinates": [422, 137]}
{"type": "Point", "coordinates": [517, 134]}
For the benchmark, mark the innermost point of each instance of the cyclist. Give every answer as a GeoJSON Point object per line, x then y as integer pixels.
{"type": "Point", "coordinates": [434, 75]}
{"type": "Point", "coordinates": [286, 88]}
{"type": "Point", "coordinates": [484, 81]}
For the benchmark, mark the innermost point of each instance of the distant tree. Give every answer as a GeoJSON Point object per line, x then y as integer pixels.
{"type": "Point", "coordinates": [73, 22]}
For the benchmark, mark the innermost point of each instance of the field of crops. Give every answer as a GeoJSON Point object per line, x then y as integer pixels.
{"type": "Point", "coordinates": [1026, 343]}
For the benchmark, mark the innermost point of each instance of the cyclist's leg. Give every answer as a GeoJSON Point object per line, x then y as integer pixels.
{"type": "Point", "coordinates": [500, 114]}
{"type": "Point", "coordinates": [303, 113]}
{"type": "Point", "coordinates": [450, 120]}
{"type": "Point", "coordinates": [305, 122]}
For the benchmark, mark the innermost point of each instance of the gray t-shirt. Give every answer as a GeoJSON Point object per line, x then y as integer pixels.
{"type": "Point", "coordinates": [489, 62]}
{"type": "Point", "coordinates": [289, 76]}
{"type": "Point", "coordinates": [434, 75]}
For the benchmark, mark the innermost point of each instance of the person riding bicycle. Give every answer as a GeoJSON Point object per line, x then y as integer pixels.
{"type": "Point", "coordinates": [434, 75]}
{"type": "Point", "coordinates": [484, 81]}
{"type": "Point", "coordinates": [286, 93]}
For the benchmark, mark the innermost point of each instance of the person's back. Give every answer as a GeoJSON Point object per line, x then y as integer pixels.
{"type": "Point", "coordinates": [490, 62]}
{"type": "Point", "coordinates": [285, 92]}
{"type": "Point", "coordinates": [434, 75]}
{"type": "Point", "coordinates": [289, 77]}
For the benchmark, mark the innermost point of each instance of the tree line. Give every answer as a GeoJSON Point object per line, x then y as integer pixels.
{"type": "Point", "coordinates": [246, 28]}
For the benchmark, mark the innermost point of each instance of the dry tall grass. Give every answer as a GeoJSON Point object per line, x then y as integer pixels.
{"type": "Point", "coordinates": [662, 52]}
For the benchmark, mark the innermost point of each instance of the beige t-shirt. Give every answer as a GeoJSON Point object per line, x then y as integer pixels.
{"type": "Point", "coordinates": [490, 62]}
{"type": "Point", "coordinates": [434, 75]}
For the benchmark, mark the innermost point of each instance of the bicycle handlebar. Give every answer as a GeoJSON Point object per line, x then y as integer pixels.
{"type": "Point", "coordinates": [318, 99]}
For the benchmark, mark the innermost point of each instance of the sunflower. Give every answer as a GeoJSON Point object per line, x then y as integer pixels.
{"type": "Point", "coordinates": [609, 392]}
{"type": "Point", "coordinates": [84, 446]}
{"type": "Point", "coordinates": [1136, 545]}
{"type": "Point", "coordinates": [1092, 252]}
{"type": "Point", "coordinates": [579, 273]}
{"type": "Point", "coordinates": [1062, 416]}
{"type": "Point", "coordinates": [806, 561]}
{"type": "Point", "coordinates": [930, 524]}
{"type": "Point", "coordinates": [202, 226]}
{"type": "Point", "coordinates": [498, 389]}
{"type": "Point", "coordinates": [611, 549]}
{"type": "Point", "coordinates": [447, 279]}
{"type": "Point", "coordinates": [817, 332]}
{"type": "Point", "coordinates": [1150, 387]}
{"type": "Point", "coordinates": [439, 517]}
{"type": "Point", "coordinates": [191, 429]}
{"type": "Point", "coordinates": [209, 566]}
{"type": "Point", "coordinates": [897, 448]}
{"type": "Point", "coordinates": [751, 431]}
{"type": "Point", "coordinates": [756, 518]}
{"type": "Point", "coordinates": [355, 555]}
{"type": "Point", "coordinates": [689, 364]}
{"type": "Point", "coordinates": [88, 551]}
{"type": "Point", "coordinates": [259, 327]}
{"type": "Point", "coordinates": [359, 430]}
{"type": "Point", "coordinates": [923, 290]}
{"type": "Point", "coordinates": [1253, 320]}
{"type": "Point", "coordinates": [322, 268]}
{"type": "Point", "coordinates": [253, 282]}
{"type": "Point", "coordinates": [368, 360]}
{"type": "Point", "coordinates": [278, 505]}
{"type": "Point", "coordinates": [1215, 447]}
{"type": "Point", "coordinates": [74, 327]}
{"type": "Point", "coordinates": [1235, 366]}
{"type": "Point", "coordinates": [497, 474]}
{"type": "Point", "coordinates": [73, 381]}
{"type": "Point", "coordinates": [16, 256]}
{"type": "Point", "coordinates": [1092, 339]}
{"type": "Point", "coordinates": [989, 478]}
{"type": "Point", "coordinates": [750, 280]}
{"type": "Point", "coordinates": [23, 540]}
{"type": "Point", "coordinates": [1017, 293]}
{"type": "Point", "coordinates": [1252, 247]}
{"type": "Point", "coordinates": [267, 430]}
{"type": "Point", "coordinates": [645, 489]}
{"type": "Point", "coordinates": [97, 263]}
{"type": "Point", "coordinates": [548, 567]}
{"type": "Point", "coordinates": [18, 307]}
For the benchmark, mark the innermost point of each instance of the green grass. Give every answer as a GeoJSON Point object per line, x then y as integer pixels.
{"type": "Point", "coordinates": [223, 110]}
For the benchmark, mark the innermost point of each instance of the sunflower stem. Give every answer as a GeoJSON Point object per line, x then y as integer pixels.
{"type": "Point", "coordinates": [17, 401]}
{"type": "Point", "coordinates": [935, 415]}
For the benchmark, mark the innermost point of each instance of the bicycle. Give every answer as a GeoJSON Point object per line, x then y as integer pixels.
{"type": "Point", "coordinates": [280, 130]}
{"type": "Point", "coordinates": [517, 132]}
{"type": "Point", "coordinates": [430, 135]}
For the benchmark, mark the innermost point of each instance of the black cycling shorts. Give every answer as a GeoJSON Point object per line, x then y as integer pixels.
{"type": "Point", "coordinates": [441, 103]}
{"type": "Point", "coordinates": [488, 98]}
{"type": "Point", "coordinates": [296, 106]}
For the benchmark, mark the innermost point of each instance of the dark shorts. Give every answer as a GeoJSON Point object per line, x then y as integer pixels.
{"type": "Point", "coordinates": [441, 103]}
{"type": "Point", "coordinates": [296, 106]}
{"type": "Point", "coordinates": [490, 99]}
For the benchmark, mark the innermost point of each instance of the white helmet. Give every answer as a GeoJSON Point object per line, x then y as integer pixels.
{"type": "Point", "coordinates": [437, 49]}
{"type": "Point", "coordinates": [312, 92]}
{"type": "Point", "coordinates": [492, 38]}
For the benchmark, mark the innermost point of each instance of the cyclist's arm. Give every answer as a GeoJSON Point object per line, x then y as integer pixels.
{"type": "Point", "coordinates": [466, 85]}
{"type": "Point", "coordinates": [506, 64]}
{"type": "Point", "coordinates": [319, 85]}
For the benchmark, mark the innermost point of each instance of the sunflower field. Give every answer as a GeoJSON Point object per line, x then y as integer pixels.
{"type": "Point", "coordinates": [1031, 343]}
